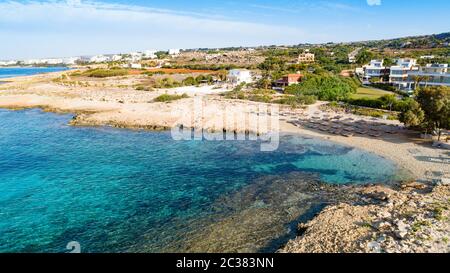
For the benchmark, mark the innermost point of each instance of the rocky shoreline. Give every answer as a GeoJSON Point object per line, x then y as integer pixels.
{"type": "Point", "coordinates": [409, 218]}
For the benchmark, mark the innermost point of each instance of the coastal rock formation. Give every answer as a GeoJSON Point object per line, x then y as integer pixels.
{"type": "Point", "coordinates": [407, 220]}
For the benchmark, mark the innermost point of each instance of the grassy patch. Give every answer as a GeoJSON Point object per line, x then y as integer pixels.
{"type": "Point", "coordinates": [364, 92]}
{"type": "Point", "coordinates": [438, 211]}
{"type": "Point", "coordinates": [169, 98]}
{"type": "Point", "coordinates": [141, 87]}
{"type": "Point", "coordinates": [105, 73]}
{"type": "Point", "coordinates": [418, 225]}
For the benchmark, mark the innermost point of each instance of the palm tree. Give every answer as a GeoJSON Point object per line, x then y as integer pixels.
{"type": "Point", "coordinates": [418, 79]}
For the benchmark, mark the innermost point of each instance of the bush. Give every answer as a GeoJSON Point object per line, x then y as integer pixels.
{"type": "Point", "coordinates": [384, 86]}
{"type": "Point", "coordinates": [152, 73]}
{"type": "Point", "coordinates": [143, 88]}
{"type": "Point", "coordinates": [189, 81]}
{"type": "Point", "coordinates": [105, 73]}
{"type": "Point", "coordinates": [386, 102]}
{"type": "Point", "coordinates": [167, 83]}
{"type": "Point", "coordinates": [168, 98]}
{"type": "Point", "coordinates": [297, 100]}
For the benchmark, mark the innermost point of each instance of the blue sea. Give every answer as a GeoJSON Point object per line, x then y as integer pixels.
{"type": "Point", "coordinates": [9, 72]}
{"type": "Point", "coordinates": [114, 190]}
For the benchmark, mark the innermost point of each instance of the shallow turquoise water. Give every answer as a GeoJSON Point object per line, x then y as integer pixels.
{"type": "Point", "coordinates": [9, 72]}
{"type": "Point", "coordinates": [107, 188]}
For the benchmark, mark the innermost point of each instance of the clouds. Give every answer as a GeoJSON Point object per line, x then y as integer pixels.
{"type": "Point", "coordinates": [74, 27]}
{"type": "Point", "coordinates": [374, 2]}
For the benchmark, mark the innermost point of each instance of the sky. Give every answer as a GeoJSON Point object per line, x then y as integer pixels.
{"type": "Point", "coordinates": [63, 28]}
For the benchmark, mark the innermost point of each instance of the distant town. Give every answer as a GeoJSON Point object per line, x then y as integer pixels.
{"type": "Point", "coordinates": [400, 64]}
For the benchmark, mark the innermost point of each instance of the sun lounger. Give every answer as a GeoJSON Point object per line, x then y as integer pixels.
{"type": "Point", "coordinates": [374, 134]}
{"type": "Point", "coordinates": [346, 134]}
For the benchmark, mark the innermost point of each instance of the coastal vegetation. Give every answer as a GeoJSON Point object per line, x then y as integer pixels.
{"type": "Point", "coordinates": [169, 98]}
{"type": "Point", "coordinates": [105, 73]}
{"type": "Point", "coordinates": [429, 111]}
{"type": "Point", "coordinates": [270, 96]}
{"type": "Point", "coordinates": [325, 87]}
{"type": "Point", "coordinates": [362, 111]}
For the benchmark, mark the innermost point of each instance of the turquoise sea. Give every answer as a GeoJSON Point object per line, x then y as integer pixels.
{"type": "Point", "coordinates": [9, 72]}
{"type": "Point", "coordinates": [116, 190]}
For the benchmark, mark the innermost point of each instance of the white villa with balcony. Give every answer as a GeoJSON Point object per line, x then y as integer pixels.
{"type": "Point", "coordinates": [399, 73]}
{"type": "Point", "coordinates": [430, 75]}
{"type": "Point", "coordinates": [375, 69]}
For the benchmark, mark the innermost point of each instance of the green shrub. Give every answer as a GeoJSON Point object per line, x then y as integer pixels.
{"type": "Point", "coordinates": [168, 98]}
{"type": "Point", "coordinates": [384, 86]}
{"type": "Point", "coordinates": [167, 83]}
{"type": "Point", "coordinates": [152, 73]}
{"type": "Point", "coordinates": [297, 100]}
{"type": "Point", "coordinates": [190, 81]}
{"type": "Point", "coordinates": [105, 73]}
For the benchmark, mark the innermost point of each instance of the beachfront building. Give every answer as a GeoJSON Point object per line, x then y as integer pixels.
{"type": "Point", "coordinates": [51, 61]}
{"type": "Point", "coordinates": [306, 57]}
{"type": "Point", "coordinates": [287, 80]}
{"type": "Point", "coordinates": [375, 72]}
{"type": "Point", "coordinates": [8, 63]}
{"type": "Point", "coordinates": [430, 75]}
{"type": "Point", "coordinates": [70, 60]}
{"type": "Point", "coordinates": [398, 76]}
{"type": "Point", "coordinates": [238, 76]}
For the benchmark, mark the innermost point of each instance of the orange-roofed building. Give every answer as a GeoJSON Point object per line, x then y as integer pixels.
{"type": "Point", "coordinates": [289, 79]}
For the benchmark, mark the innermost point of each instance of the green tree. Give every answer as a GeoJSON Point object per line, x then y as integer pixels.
{"type": "Point", "coordinates": [412, 115]}
{"type": "Point", "coordinates": [387, 101]}
{"type": "Point", "coordinates": [435, 102]}
{"type": "Point", "coordinates": [388, 62]}
{"type": "Point", "coordinates": [364, 57]}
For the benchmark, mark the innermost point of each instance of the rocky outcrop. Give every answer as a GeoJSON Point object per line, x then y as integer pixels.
{"type": "Point", "coordinates": [411, 219]}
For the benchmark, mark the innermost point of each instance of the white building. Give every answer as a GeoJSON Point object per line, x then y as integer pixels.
{"type": "Point", "coordinates": [174, 51]}
{"type": "Point", "coordinates": [150, 54]}
{"type": "Point", "coordinates": [399, 73]}
{"type": "Point", "coordinates": [238, 76]}
{"type": "Point", "coordinates": [51, 61]}
{"type": "Point", "coordinates": [135, 65]}
{"type": "Point", "coordinates": [116, 57]}
{"type": "Point", "coordinates": [99, 59]}
{"type": "Point", "coordinates": [430, 75]}
{"type": "Point", "coordinates": [70, 60]}
{"type": "Point", "coordinates": [7, 63]}
{"type": "Point", "coordinates": [136, 56]}
{"type": "Point", "coordinates": [375, 69]}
